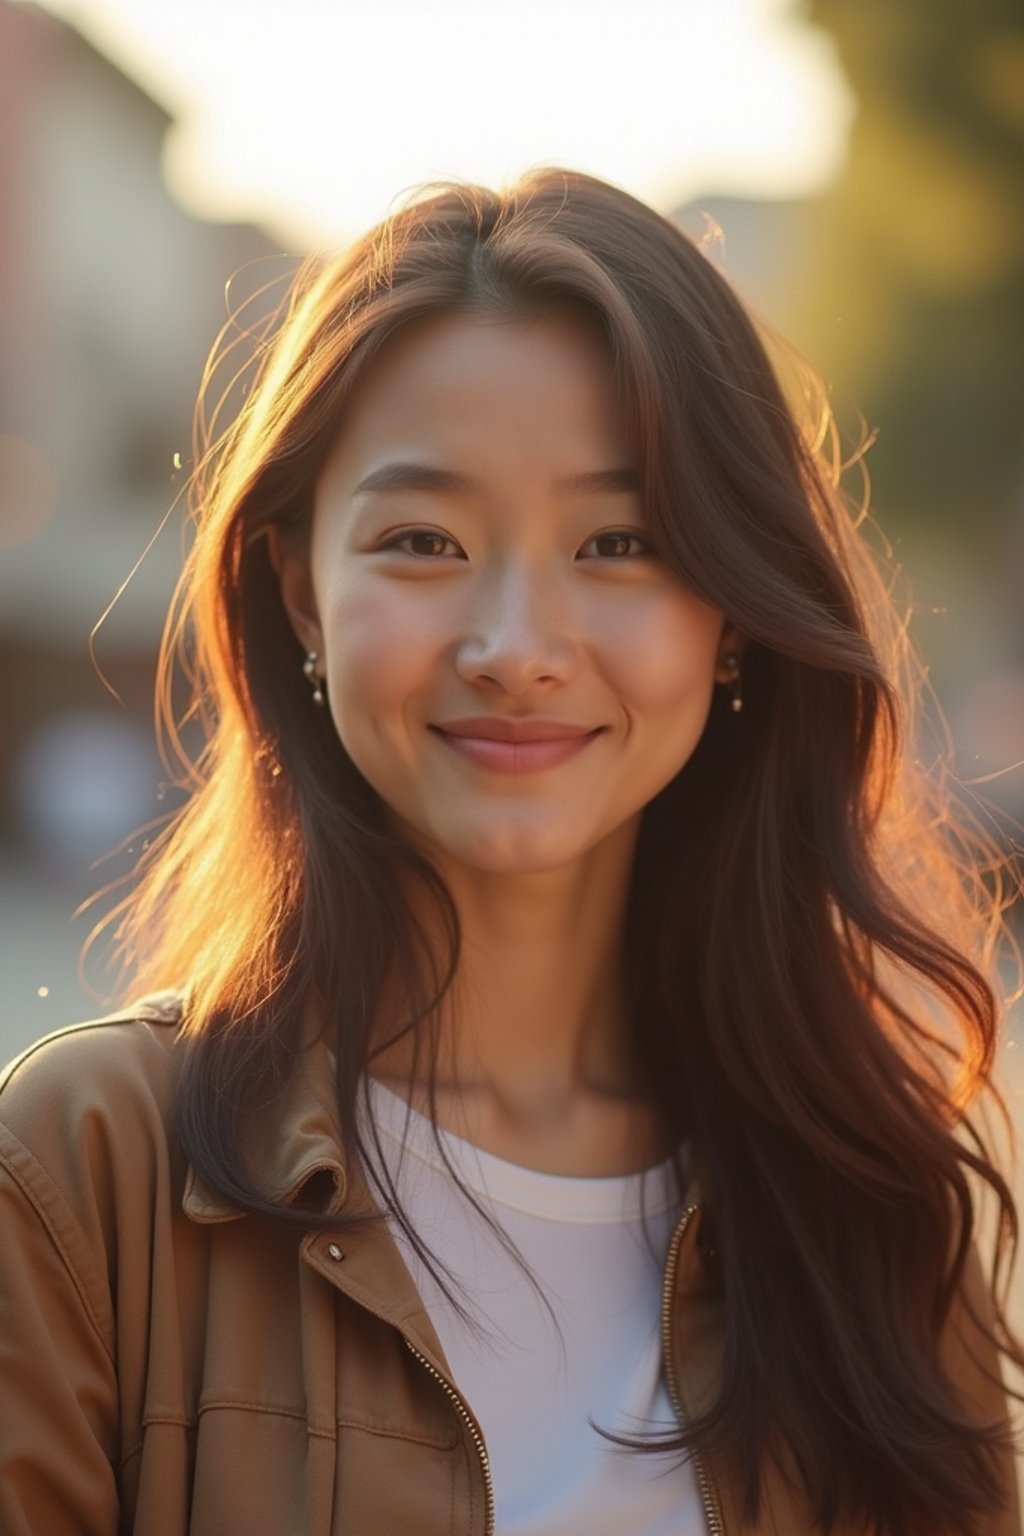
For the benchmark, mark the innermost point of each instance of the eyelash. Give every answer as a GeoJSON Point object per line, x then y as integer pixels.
{"type": "Point", "coordinates": [397, 539]}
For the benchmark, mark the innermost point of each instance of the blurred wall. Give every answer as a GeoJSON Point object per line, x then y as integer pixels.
{"type": "Point", "coordinates": [110, 297]}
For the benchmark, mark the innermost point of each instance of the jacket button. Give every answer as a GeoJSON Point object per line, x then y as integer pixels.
{"type": "Point", "coordinates": [334, 1252]}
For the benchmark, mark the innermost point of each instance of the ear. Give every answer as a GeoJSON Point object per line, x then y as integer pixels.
{"type": "Point", "coordinates": [289, 560]}
{"type": "Point", "coordinates": [730, 643]}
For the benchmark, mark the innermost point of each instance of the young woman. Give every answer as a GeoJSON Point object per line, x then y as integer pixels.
{"type": "Point", "coordinates": [551, 1108]}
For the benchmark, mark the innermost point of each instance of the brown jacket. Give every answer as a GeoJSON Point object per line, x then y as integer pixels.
{"type": "Point", "coordinates": [168, 1366]}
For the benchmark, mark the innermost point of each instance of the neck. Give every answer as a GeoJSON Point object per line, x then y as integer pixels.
{"type": "Point", "coordinates": [536, 1018]}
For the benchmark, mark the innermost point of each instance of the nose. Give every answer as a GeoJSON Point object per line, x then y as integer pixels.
{"type": "Point", "coordinates": [518, 633]}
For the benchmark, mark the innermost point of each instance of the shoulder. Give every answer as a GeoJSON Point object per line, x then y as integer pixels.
{"type": "Point", "coordinates": [91, 1066]}
{"type": "Point", "coordinates": [82, 1108]}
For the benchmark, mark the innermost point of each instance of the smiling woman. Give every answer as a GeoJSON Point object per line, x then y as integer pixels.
{"type": "Point", "coordinates": [532, 604]}
{"type": "Point", "coordinates": [558, 1112]}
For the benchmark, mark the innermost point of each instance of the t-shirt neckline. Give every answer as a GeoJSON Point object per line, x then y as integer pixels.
{"type": "Point", "coordinates": [556, 1197]}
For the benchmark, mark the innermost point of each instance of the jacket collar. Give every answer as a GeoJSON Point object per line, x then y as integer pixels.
{"type": "Point", "coordinates": [293, 1152]}
{"type": "Point", "coordinates": [296, 1154]}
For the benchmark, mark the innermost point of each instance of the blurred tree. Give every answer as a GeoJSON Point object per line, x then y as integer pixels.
{"type": "Point", "coordinates": [918, 312]}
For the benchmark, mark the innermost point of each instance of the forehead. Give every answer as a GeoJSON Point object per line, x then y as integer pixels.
{"type": "Point", "coordinates": [472, 388]}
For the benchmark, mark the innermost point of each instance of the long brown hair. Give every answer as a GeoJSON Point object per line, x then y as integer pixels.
{"type": "Point", "coordinates": [809, 928]}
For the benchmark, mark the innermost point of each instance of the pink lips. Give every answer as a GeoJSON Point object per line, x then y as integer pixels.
{"type": "Point", "coordinates": [504, 745]}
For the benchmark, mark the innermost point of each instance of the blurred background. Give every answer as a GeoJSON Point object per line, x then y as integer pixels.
{"type": "Point", "coordinates": [160, 164]}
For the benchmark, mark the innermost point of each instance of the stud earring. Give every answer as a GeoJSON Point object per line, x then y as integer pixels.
{"type": "Point", "coordinates": [309, 668]}
{"type": "Point", "coordinates": [732, 661]}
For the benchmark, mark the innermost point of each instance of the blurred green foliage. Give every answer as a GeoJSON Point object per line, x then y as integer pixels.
{"type": "Point", "coordinates": [918, 307]}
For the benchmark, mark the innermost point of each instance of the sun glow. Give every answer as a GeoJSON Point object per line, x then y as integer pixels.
{"type": "Point", "coordinates": [312, 117]}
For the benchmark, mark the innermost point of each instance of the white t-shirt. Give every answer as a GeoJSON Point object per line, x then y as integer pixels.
{"type": "Point", "coordinates": [532, 1379]}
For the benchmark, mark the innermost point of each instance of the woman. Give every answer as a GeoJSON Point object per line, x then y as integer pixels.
{"type": "Point", "coordinates": [550, 1108]}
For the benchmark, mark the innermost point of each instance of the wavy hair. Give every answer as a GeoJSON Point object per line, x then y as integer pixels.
{"type": "Point", "coordinates": [811, 920]}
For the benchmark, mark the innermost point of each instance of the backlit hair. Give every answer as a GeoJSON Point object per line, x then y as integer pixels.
{"type": "Point", "coordinates": [811, 923]}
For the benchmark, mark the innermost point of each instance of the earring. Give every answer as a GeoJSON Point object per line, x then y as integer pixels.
{"type": "Point", "coordinates": [309, 668]}
{"type": "Point", "coordinates": [732, 661]}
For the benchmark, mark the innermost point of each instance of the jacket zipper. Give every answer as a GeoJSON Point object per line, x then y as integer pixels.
{"type": "Point", "coordinates": [474, 1431]}
{"type": "Point", "coordinates": [708, 1492]}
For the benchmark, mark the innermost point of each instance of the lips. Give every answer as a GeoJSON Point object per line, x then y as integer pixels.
{"type": "Point", "coordinates": [503, 745]}
{"type": "Point", "coordinates": [507, 728]}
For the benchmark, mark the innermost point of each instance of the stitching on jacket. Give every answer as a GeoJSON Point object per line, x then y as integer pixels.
{"type": "Point", "coordinates": [321, 1432]}
{"type": "Point", "coordinates": [210, 1404]}
{"type": "Point", "coordinates": [400, 1434]}
{"type": "Point", "coordinates": [49, 1221]}
{"type": "Point", "coordinates": [162, 1419]}
{"type": "Point", "coordinates": [191, 1425]}
{"type": "Point", "coordinates": [142, 1013]}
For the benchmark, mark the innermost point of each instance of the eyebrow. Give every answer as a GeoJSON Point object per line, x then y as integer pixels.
{"type": "Point", "coordinates": [405, 475]}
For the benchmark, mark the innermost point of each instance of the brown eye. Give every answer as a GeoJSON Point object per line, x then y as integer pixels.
{"type": "Point", "coordinates": [426, 543]}
{"type": "Point", "coordinates": [618, 544]}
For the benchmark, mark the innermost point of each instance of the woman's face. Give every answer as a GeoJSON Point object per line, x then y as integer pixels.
{"type": "Point", "coordinates": [478, 576]}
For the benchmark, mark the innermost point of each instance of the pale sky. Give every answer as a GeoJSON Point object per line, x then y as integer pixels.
{"type": "Point", "coordinates": [311, 116]}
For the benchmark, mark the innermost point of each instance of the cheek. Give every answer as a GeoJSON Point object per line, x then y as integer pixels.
{"type": "Point", "coordinates": [661, 652]}
{"type": "Point", "coordinates": [379, 648]}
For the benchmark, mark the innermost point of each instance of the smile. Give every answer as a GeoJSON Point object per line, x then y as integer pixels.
{"type": "Point", "coordinates": [522, 756]}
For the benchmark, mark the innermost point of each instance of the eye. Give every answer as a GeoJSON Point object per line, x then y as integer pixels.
{"type": "Point", "coordinates": [423, 543]}
{"type": "Point", "coordinates": [617, 544]}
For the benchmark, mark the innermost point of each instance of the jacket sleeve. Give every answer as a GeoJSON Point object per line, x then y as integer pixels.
{"type": "Point", "coordinates": [58, 1381]}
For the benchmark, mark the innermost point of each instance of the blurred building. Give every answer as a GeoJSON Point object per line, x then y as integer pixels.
{"type": "Point", "coordinates": [110, 298]}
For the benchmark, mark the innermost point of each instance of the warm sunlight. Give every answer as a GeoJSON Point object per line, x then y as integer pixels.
{"type": "Point", "coordinates": [312, 116]}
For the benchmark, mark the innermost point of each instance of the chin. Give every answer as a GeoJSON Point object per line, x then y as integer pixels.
{"type": "Point", "coordinates": [513, 850]}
